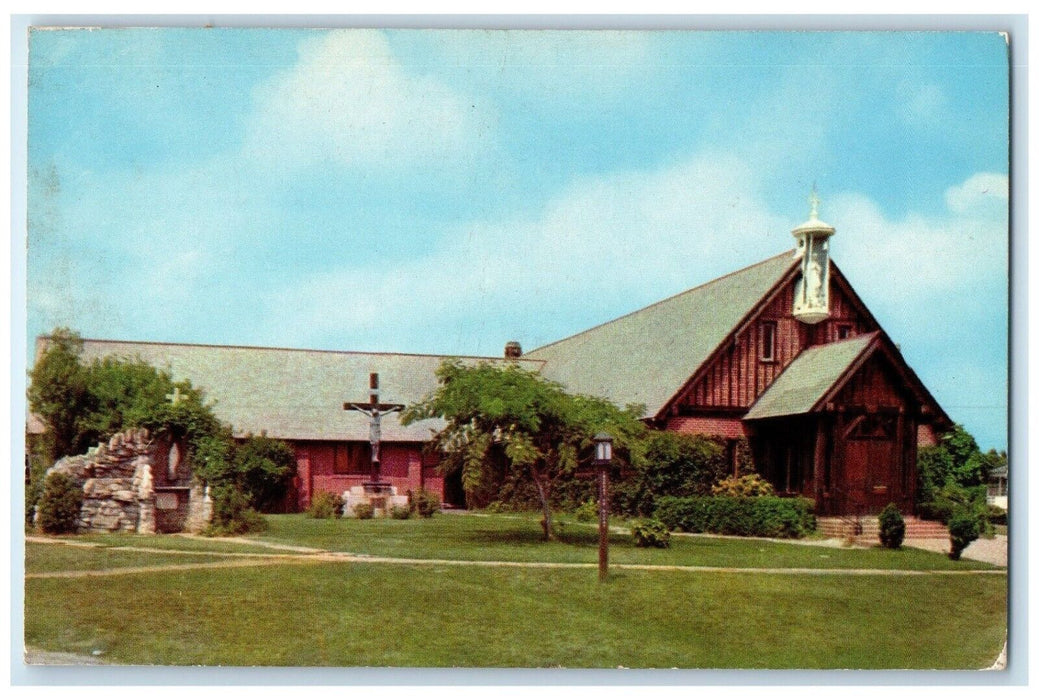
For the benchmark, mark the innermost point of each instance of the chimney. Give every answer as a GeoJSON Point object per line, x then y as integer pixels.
{"type": "Point", "coordinates": [513, 350]}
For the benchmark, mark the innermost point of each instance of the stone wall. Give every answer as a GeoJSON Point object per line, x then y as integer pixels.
{"type": "Point", "coordinates": [116, 477]}
{"type": "Point", "coordinates": [119, 493]}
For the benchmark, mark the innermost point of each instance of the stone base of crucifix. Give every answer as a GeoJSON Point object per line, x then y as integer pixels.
{"type": "Point", "coordinates": [381, 499]}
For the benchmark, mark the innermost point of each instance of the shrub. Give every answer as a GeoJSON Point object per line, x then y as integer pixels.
{"type": "Point", "coordinates": [672, 464]}
{"type": "Point", "coordinates": [59, 505]}
{"type": "Point", "coordinates": [232, 514]}
{"type": "Point", "coordinates": [892, 527]}
{"type": "Point", "coordinates": [364, 511]}
{"type": "Point", "coordinates": [587, 512]}
{"type": "Point", "coordinates": [264, 468]}
{"type": "Point", "coordinates": [997, 515]}
{"type": "Point", "coordinates": [426, 503]}
{"type": "Point", "coordinates": [325, 505]}
{"type": "Point", "coordinates": [764, 516]}
{"type": "Point", "coordinates": [936, 510]}
{"type": "Point", "coordinates": [650, 532]}
{"type": "Point", "coordinates": [746, 486]}
{"type": "Point", "coordinates": [400, 512]}
{"type": "Point", "coordinates": [963, 529]}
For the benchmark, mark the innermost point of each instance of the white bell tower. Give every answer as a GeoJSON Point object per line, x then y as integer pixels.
{"type": "Point", "coordinates": [812, 293]}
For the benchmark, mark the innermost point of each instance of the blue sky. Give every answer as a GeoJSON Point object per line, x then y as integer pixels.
{"type": "Point", "coordinates": [446, 191]}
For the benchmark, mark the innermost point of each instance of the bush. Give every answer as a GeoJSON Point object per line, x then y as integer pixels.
{"type": "Point", "coordinates": [426, 503]}
{"type": "Point", "coordinates": [963, 529]}
{"type": "Point", "coordinates": [746, 486]}
{"type": "Point", "coordinates": [764, 516]}
{"type": "Point", "coordinates": [400, 512]}
{"type": "Point", "coordinates": [325, 505]}
{"type": "Point", "coordinates": [650, 532]}
{"type": "Point", "coordinates": [364, 511]}
{"type": "Point", "coordinates": [264, 468]}
{"type": "Point", "coordinates": [673, 464]}
{"type": "Point", "coordinates": [587, 512]}
{"type": "Point", "coordinates": [232, 514]}
{"type": "Point", "coordinates": [936, 510]}
{"type": "Point", "coordinates": [59, 505]}
{"type": "Point", "coordinates": [996, 515]}
{"type": "Point", "coordinates": [892, 527]}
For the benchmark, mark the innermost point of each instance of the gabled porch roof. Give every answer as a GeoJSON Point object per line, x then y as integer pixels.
{"type": "Point", "coordinates": [821, 371]}
{"type": "Point", "coordinates": [809, 378]}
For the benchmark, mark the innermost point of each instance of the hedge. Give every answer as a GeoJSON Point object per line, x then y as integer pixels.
{"type": "Point", "coordinates": [763, 516]}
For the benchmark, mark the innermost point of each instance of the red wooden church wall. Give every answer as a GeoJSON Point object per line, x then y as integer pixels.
{"type": "Point", "coordinates": [736, 378]}
{"type": "Point", "coordinates": [337, 466]}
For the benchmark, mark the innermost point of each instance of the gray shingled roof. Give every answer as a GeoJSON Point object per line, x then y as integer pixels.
{"type": "Point", "coordinates": [808, 378]}
{"type": "Point", "coordinates": [649, 355]}
{"type": "Point", "coordinates": [295, 394]}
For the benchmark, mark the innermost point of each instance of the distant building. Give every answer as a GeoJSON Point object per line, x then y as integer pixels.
{"type": "Point", "coordinates": [783, 354]}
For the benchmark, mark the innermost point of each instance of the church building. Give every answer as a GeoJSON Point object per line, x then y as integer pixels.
{"type": "Point", "coordinates": [783, 354]}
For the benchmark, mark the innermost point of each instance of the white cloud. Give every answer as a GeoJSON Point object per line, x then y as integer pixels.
{"type": "Point", "coordinates": [348, 101]}
{"type": "Point", "coordinates": [617, 240]}
{"type": "Point", "coordinates": [981, 192]}
{"type": "Point", "coordinates": [925, 258]}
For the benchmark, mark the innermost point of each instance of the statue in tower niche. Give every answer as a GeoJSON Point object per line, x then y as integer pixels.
{"type": "Point", "coordinates": [812, 292]}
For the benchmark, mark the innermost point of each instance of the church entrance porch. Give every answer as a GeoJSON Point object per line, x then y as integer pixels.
{"type": "Point", "coordinates": [851, 462]}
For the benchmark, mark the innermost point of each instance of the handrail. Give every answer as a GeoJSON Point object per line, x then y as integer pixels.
{"type": "Point", "coordinates": [854, 519]}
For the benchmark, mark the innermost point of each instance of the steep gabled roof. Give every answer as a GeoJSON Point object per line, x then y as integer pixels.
{"type": "Point", "coordinates": [295, 394]}
{"type": "Point", "coordinates": [821, 371]}
{"type": "Point", "coordinates": [811, 376]}
{"type": "Point", "coordinates": [647, 356]}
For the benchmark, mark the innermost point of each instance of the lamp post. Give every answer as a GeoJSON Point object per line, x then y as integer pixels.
{"type": "Point", "coordinates": [603, 459]}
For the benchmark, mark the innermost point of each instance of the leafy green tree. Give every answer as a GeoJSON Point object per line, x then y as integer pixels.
{"type": "Point", "coordinates": [952, 477]}
{"type": "Point", "coordinates": [84, 403]}
{"type": "Point", "coordinates": [58, 394]}
{"type": "Point", "coordinates": [265, 468]}
{"type": "Point", "coordinates": [670, 464]}
{"type": "Point", "coordinates": [965, 457]}
{"type": "Point", "coordinates": [502, 418]}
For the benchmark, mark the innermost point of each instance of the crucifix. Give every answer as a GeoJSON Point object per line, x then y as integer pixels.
{"type": "Point", "coordinates": [374, 410]}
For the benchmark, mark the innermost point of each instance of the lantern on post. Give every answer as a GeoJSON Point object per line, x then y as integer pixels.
{"type": "Point", "coordinates": [603, 460]}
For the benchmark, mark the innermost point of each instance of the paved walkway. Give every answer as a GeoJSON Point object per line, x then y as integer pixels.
{"type": "Point", "coordinates": [991, 551]}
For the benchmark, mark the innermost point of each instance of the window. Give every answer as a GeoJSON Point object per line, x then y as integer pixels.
{"type": "Point", "coordinates": [844, 331]}
{"type": "Point", "coordinates": [768, 341]}
{"type": "Point", "coordinates": [874, 427]}
{"type": "Point", "coordinates": [352, 458]}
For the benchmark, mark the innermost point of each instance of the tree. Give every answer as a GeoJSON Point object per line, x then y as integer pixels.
{"type": "Point", "coordinates": [504, 418]}
{"type": "Point", "coordinates": [265, 468]}
{"type": "Point", "coordinates": [952, 477]}
{"type": "Point", "coordinates": [58, 393]}
{"type": "Point", "coordinates": [671, 464]}
{"type": "Point", "coordinates": [84, 403]}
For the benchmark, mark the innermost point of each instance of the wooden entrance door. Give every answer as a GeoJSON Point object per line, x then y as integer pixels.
{"type": "Point", "coordinates": [872, 463]}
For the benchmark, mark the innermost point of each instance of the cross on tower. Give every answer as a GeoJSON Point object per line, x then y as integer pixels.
{"type": "Point", "coordinates": [374, 410]}
{"type": "Point", "coordinates": [176, 397]}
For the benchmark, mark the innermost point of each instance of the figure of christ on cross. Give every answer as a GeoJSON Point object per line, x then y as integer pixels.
{"type": "Point", "coordinates": [374, 410]}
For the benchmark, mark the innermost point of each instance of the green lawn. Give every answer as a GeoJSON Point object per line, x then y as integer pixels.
{"type": "Point", "coordinates": [177, 542]}
{"type": "Point", "coordinates": [505, 538]}
{"type": "Point", "coordinates": [400, 615]}
{"type": "Point", "coordinates": [434, 615]}
{"type": "Point", "coordinates": [42, 558]}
